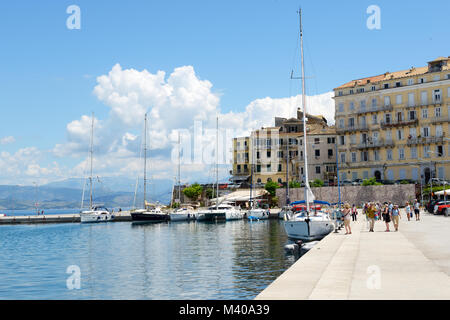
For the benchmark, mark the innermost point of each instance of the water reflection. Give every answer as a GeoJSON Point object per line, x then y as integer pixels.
{"type": "Point", "coordinates": [190, 260]}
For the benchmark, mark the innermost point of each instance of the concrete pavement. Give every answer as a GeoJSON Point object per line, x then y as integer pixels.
{"type": "Point", "coordinates": [413, 263]}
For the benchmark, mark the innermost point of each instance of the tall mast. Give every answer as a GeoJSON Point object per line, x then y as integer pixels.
{"type": "Point", "coordinates": [217, 162]}
{"type": "Point", "coordinates": [92, 156]}
{"type": "Point", "coordinates": [251, 168]}
{"type": "Point", "coordinates": [287, 170]}
{"type": "Point", "coordinates": [179, 167]}
{"type": "Point", "coordinates": [304, 116]}
{"type": "Point", "coordinates": [145, 160]}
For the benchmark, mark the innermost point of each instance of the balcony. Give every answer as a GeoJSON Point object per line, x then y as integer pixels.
{"type": "Point", "coordinates": [376, 144]}
{"type": "Point", "coordinates": [362, 127]}
{"type": "Point", "coordinates": [439, 119]}
{"type": "Point", "coordinates": [424, 140]}
{"type": "Point", "coordinates": [389, 107]}
{"type": "Point", "coordinates": [398, 123]}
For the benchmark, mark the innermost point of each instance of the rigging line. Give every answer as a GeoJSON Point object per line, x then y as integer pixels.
{"type": "Point", "coordinates": [294, 59]}
{"type": "Point", "coordinates": [137, 176]}
{"type": "Point", "coordinates": [309, 56]}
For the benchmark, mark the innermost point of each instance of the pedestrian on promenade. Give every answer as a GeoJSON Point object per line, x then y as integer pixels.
{"type": "Point", "coordinates": [371, 215]}
{"type": "Point", "coordinates": [417, 209]}
{"type": "Point", "coordinates": [408, 211]}
{"type": "Point", "coordinates": [347, 218]}
{"type": "Point", "coordinates": [396, 216]}
{"type": "Point", "coordinates": [354, 213]}
{"type": "Point", "coordinates": [386, 217]}
{"type": "Point", "coordinates": [391, 206]}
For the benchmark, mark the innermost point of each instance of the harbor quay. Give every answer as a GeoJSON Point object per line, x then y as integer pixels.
{"type": "Point", "coordinates": [413, 263]}
{"type": "Point", "coordinates": [57, 218]}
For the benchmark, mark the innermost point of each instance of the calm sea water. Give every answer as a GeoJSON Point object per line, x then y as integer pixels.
{"type": "Point", "coordinates": [232, 260]}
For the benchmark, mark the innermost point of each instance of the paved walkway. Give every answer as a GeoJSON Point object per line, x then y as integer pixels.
{"type": "Point", "coordinates": [413, 263]}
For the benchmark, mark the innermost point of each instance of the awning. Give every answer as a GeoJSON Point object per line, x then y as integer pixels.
{"type": "Point", "coordinates": [239, 178]}
{"type": "Point", "coordinates": [441, 193]}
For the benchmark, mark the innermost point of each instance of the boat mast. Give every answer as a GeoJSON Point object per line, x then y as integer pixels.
{"type": "Point", "coordinates": [217, 163]}
{"type": "Point", "coordinates": [179, 168]}
{"type": "Point", "coordinates": [251, 169]}
{"type": "Point", "coordinates": [304, 116]}
{"type": "Point", "coordinates": [145, 160]}
{"type": "Point", "coordinates": [92, 156]}
{"type": "Point", "coordinates": [287, 171]}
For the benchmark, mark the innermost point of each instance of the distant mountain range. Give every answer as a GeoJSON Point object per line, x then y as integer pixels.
{"type": "Point", "coordinates": [109, 191]}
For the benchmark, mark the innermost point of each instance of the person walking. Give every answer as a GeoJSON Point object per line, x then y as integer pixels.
{"type": "Point", "coordinates": [354, 213]}
{"type": "Point", "coordinates": [417, 209]}
{"type": "Point", "coordinates": [386, 217]}
{"type": "Point", "coordinates": [371, 215]}
{"type": "Point", "coordinates": [408, 211]}
{"type": "Point", "coordinates": [347, 218]}
{"type": "Point", "coordinates": [396, 216]}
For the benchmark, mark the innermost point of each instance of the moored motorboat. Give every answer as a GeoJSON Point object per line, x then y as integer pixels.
{"type": "Point", "coordinates": [183, 214]}
{"type": "Point", "coordinates": [149, 214]}
{"type": "Point", "coordinates": [96, 214]}
{"type": "Point", "coordinates": [222, 212]}
{"type": "Point", "coordinates": [258, 214]}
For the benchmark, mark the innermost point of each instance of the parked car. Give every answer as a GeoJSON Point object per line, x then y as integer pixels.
{"type": "Point", "coordinates": [438, 181]}
{"type": "Point", "coordinates": [387, 182]}
{"type": "Point", "coordinates": [430, 205]}
{"type": "Point", "coordinates": [345, 183]}
{"type": "Point", "coordinates": [442, 207]}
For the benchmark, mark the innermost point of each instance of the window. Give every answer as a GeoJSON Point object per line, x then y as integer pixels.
{"type": "Point", "coordinates": [342, 140]}
{"type": "Point", "coordinates": [399, 134]}
{"type": "Point", "coordinates": [269, 154]}
{"type": "Point", "coordinates": [412, 115]}
{"type": "Point", "coordinates": [351, 91]}
{"type": "Point", "coordinates": [318, 169]}
{"type": "Point", "coordinates": [280, 154]}
{"type": "Point", "coordinates": [363, 105]}
{"type": "Point", "coordinates": [424, 113]}
{"type": "Point", "coordinates": [342, 157]}
{"type": "Point", "coordinates": [437, 77]}
{"type": "Point", "coordinates": [258, 168]}
{"type": "Point", "coordinates": [424, 98]}
{"type": "Point", "coordinates": [402, 174]}
{"type": "Point", "coordinates": [440, 151]}
{"type": "Point", "coordinates": [374, 103]}
{"type": "Point", "coordinates": [360, 90]}
{"type": "Point", "coordinates": [422, 80]}
{"type": "Point", "coordinates": [426, 151]}
{"type": "Point", "coordinates": [331, 140]}
{"type": "Point", "coordinates": [374, 119]}
{"type": "Point", "coordinates": [376, 155]}
{"type": "Point", "coordinates": [238, 168]}
{"type": "Point", "coordinates": [317, 153]}
{"type": "Point", "coordinates": [439, 132]}
{"type": "Point", "coordinates": [353, 139]}
{"type": "Point", "coordinates": [280, 180]}
{"type": "Point", "coordinates": [352, 106]}
{"type": "Point", "coordinates": [401, 154]}
{"type": "Point", "coordinates": [353, 156]}
{"type": "Point", "coordinates": [340, 93]}
{"type": "Point", "coordinates": [330, 153]}
{"type": "Point", "coordinates": [426, 131]}
{"type": "Point", "coordinates": [387, 101]}
{"type": "Point", "coordinates": [411, 99]}
{"type": "Point", "coordinates": [351, 122]}
{"type": "Point", "coordinates": [269, 168]}
{"type": "Point", "coordinates": [365, 174]}
{"type": "Point", "coordinates": [364, 156]}
{"type": "Point", "coordinates": [398, 99]}
{"type": "Point", "coordinates": [280, 167]}
{"type": "Point", "coordinates": [412, 132]}
{"type": "Point", "coordinates": [414, 153]}
{"type": "Point", "coordinates": [341, 107]}
{"type": "Point", "coordinates": [387, 118]}
{"type": "Point", "coordinates": [437, 112]}
{"type": "Point", "coordinates": [410, 82]}
{"type": "Point", "coordinates": [316, 140]}
{"type": "Point", "coordinates": [398, 84]}
{"type": "Point", "coordinates": [257, 154]}
{"type": "Point", "coordinates": [341, 123]}
{"type": "Point", "coordinates": [374, 88]}
{"type": "Point", "coordinates": [386, 85]}
{"type": "Point", "coordinates": [437, 96]}
{"type": "Point", "coordinates": [389, 154]}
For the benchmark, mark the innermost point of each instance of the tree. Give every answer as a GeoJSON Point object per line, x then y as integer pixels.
{"type": "Point", "coordinates": [271, 187]}
{"type": "Point", "coordinates": [193, 192]}
{"type": "Point", "coordinates": [210, 193]}
{"type": "Point", "coordinates": [371, 182]}
{"type": "Point", "coordinates": [317, 183]}
{"type": "Point", "coordinates": [294, 184]}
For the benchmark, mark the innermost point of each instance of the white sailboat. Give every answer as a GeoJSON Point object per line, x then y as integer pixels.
{"type": "Point", "coordinates": [220, 211]}
{"type": "Point", "coordinates": [305, 225]}
{"type": "Point", "coordinates": [95, 213]}
{"type": "Point", "coordinates": [184, 213]}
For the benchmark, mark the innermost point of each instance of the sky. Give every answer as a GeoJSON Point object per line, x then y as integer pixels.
{"type": "Point", "coordinates": [183, 62]}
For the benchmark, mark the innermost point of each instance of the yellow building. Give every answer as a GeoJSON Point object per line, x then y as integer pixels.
{"type": "Point", "coordinates": [274, 149]}
{"type": "Point", "coordinates": [395, 126]}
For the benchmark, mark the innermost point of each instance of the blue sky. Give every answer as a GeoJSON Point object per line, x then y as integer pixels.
{"type": "Point", "coordinates": [246, 49]}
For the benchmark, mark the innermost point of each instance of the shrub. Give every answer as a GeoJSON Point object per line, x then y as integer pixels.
{"type": "Point", "coordinates": [271, 187]}
{"type": "Point", "coordinates": [371, 182]}
{"type": "Point", "coordinates": [193, 192]}
{"type": "Point", "coordinates": [317, 183]}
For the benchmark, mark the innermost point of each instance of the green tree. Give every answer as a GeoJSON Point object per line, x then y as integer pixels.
{"type": "Point", "coordinates": [371, 182]}
{"type": "Point", "coordinates": [210, 193]}
{"type": "Point", "coordinates": [317, 183]}
{"type": "Point", "coordinates": [193, 192]}
{"type": "Point", "coordinates": [294, 184]}
{"type": "Point", "coordinates": [271, 187]}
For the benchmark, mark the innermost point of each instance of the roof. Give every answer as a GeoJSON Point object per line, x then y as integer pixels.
{"type": "Point", "coordinates": [241, 195]}
{"type": "Point", "coordinates": [393, 75]}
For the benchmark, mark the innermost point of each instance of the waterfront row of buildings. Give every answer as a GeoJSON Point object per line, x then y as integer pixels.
{"type": "Point", "coordinates": [394, 126]}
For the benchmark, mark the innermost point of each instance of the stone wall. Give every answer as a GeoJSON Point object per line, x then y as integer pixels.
{"type": "Point", "coordinates": [398, 194]}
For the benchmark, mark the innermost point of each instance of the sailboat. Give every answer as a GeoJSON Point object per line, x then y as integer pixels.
{"type": "Point", "coordinates": [255, 213]}
{"type": "Point", "coordinates": [185, 212]}
{"type": "Point", "coordinates": [150, 212]}
{"type": "Point", "coordinates": [219, 211]}
{"type": "Point", "coordinates": [307, 225]}
{"type": "Point", "coordinates": [95, 213]}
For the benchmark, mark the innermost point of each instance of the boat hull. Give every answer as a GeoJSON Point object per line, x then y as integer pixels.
{"type": "Point", "coordinates": [95, 218]}
{"type": "Point", "coordinates": [308, 229]}
{"type": "Point", "coordinates": [183, 216]}
{"type": "Point", "coordinates": [258, 214]}
{"type": "Point", "coordinates": [149, 217]}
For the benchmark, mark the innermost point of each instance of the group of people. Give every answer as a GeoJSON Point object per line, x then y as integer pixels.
{"type": "Point", "coordinates": [387, 211]}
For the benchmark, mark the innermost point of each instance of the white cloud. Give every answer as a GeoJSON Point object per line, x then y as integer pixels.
{"type": "Point", "coordinates": [7, 140]}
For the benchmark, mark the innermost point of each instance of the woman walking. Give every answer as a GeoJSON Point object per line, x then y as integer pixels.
{"type": "Point", "coordinates": [354, 213]}
{"type": "Point", "coordinates": [387, 217]}
{"type": "Point", "coordinates": [371, 215]}
{"type": "Point", "coordinates": [396, 216]}
{"type": "Point", "coordinates": [347, 217]}
{"type": "Point", "coordinates": [417, 210]}
{"type": "Point", "coordinates": [408, 211]}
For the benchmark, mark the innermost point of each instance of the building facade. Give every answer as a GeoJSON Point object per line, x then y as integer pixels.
{"type": "Point", "coordinates": [395, 126]}
{"type": "Point", "coordinates": [277, 152]}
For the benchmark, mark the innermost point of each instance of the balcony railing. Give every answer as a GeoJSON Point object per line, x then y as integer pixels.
{"type": "Point", "coordinates": [375, 109]}
{"type": "Point", "coordinates": [376, 144]}
{"type": "Point", "coordinates": [398, 123]}
{"type": "Point", "coordinates": [424, 140]}
{"type": "Point", "coordinates": [361, 127]}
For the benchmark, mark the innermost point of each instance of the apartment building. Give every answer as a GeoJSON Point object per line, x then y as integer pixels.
{"type": "Point", "coordinates": [396, 125]}
{"type": "Point", "coordinates": [277, 152]}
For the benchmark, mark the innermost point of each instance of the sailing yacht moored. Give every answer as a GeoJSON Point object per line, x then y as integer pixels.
{"type": "Point", "coordinates": [95, 213]}
{"type": "Point", "coordinates": [306, 225]}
